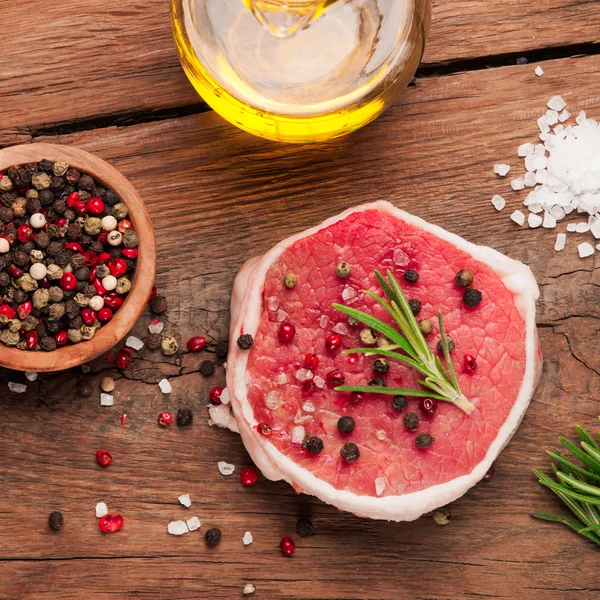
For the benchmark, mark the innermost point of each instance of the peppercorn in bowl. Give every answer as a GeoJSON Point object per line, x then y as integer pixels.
{"type": "Point", "coordinates": [77, 257]}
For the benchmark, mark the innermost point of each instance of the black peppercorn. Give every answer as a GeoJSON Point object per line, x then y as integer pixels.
{"type": "Point", "coordinates": [54, 248]}
{"type": "Point", "coordinates": [20, 259]}
{"type": "Point", "coordinates": [42, 240]}
{"type": "Point", "coordinates": [464, 278]}
{"type": "Point", "coordinates": [46, 165]}
{"type": "Point", "coordinates": [399, 403]}
{"type": "Point", "coordinates": [213, 537]}
{"type": "Point", "coordinates": [411, 420]}
{"type": "Point", "coordinates": [57, 184]}
{"type": "Point", "coordinates": [378, 382]}
{"type": "Point", "coordinates": [72, 176]}
{"type": "Point", "coordinates": [21, 178]}
{"type": "Point", "coordinates": [346, 425]}
{"type": "Point", "coordinates": [304, 527]}
{"type": "Point", "coordinates": [185, 417]}
{"type": "Point", "coordinates": [74, 231]}
{"type": "Point", "coordinates": [350, 452]}
{"type": "Point", "coordinates": [411, 276]}
{"type": "Point", "coordinates": [207, 368]}
{"type": "Point", "coordinates": [111, 198]}
{"type": "Point", "coordinates": [56, 520]}
{"type": "Point", "coordinates": [84, 388]}
{"type": "Point", "coordinates": [6, 215]}
{"type": "Point", "coordinates": [153, 341]}
{"type": "Point", "coordinates": [222, 349]}
{"type": "Point", "coordinates": [4, 279]}
{"type": "Point", "coordinates": [424, 440]}
{"type": "Point", "coordinates": [472, 297]}
{"type": "Point", "coordinates": [46, 197]}
{"type": "Point", "coordinates": [86, 182]}
{"type": "Point", "coordinates": [313, 444]}
{"type": "Point", "coordinates": [381, 366]}
{"type": "Point", "coordinates": [59, 206]}
{"type": "Point", "coordinates": [48, 343]}
{"type": "Point", "coordinates": [245, 341]}
{"type": "Point", "coordinates": [415, 306]}
{"type": "Point", "coordinates": [158, 305]}
{"type": "Point", "coordinates": [451, 345]}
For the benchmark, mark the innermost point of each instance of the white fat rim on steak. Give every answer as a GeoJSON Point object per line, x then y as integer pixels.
{"type": "Point", "coordinates": [246, 310]}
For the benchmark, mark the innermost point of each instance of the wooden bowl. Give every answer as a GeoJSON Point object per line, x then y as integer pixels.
{"type": "Point", "coordinates": [143, 279]}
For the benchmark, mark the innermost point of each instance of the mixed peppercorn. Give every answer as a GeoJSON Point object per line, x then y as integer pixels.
{"type": "Point", "coordinates": [67, 254]}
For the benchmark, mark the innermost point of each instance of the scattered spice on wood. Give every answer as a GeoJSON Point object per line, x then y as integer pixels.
{"type": "Point", "coordinates": [472, 297]}
{"type": "Point", "coordinates": [214, 394]}
{"type": "Point", "coordinates": [207, 368]}
{"type": "Point", "coordinates": [290, 281]}
{"type": "Point", "coordinates": [103, 458]}
{"type": "Point", "coordinates": [84, 388]}
{"type": "Point", "coordinates": [169, 345]}
{"type": "Point", "coordinates": [56, 520]}
{"type": "Point", "coordinates": [164, 419]}
{"type": "Point", "coordinates": [222, 349]}
{"type": "Point", "coordinates": [107, 384]}
{"type": "Point", "coordinates": [399, 403]}
{"type": "Point", "coordinates": [248, 476]}
{"type": "Point", "coordinates": [287, 546]}
{"type": "Point", "coordinates": [346, 424]}
{"type": "Point", "coordinates": [350, 452]}
{"type": "Point", "coordinates": [196, 343]}
{"type": "Point", "coordinates": [110, 523]}
{"type": "Point", "coordinates": [424, 440]}
{"type": "Point", "coordinates": [245, 341]}
{"type": "Point", "coordinates": [313, 444]}
{"type": "Point", "coordinates": [185, 417]}
{"type": "Point", "coordinates": [464, 278]}
{"type": "Point", "coordinates": [343, 270]}
{"type": "Point", "coordinates": [411, 420]}
{"type": "Point", "coordinates": [304, 527]}
{"type": "Point", "coordinates": [153, 341]}
{"type": "Point", "coordinates": [213, 537]}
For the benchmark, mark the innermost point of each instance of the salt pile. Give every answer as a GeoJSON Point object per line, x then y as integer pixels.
{"type": "Point", "coordinates": [564, 172]}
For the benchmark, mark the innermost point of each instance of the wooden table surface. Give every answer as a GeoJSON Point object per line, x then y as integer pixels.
{"type": "Point", "coordinates": [103, 75]}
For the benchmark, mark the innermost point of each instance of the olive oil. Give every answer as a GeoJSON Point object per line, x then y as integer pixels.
{"type": "Point", "coordinates": [301, 70]}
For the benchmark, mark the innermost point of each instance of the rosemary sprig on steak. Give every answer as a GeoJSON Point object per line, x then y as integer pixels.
{"type": "Point", "coordinates": [440, 382]}
{"type": "Point", "coordinates": [578, 487]}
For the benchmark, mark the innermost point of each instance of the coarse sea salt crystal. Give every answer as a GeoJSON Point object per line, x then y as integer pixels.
{"type": "Point", "coordinates": [529, 179]}
{"type": "Point", "coordinates": [273, 400]}
{"type": "Point", "coordinates": [165, 386]}
{"type": "Point", "coordinates": [324, 322]}
{"type": "Point", "coordinates": [134, 342]}
{"type": "Point", "coordinates": [101, 509]}
{"type": "Point", "coordinates": [281, 316]}
{"type": "Point", "coordinates": [308, 407]}
{"type": "Point", "coordinates": [319, 381]}
{"type": "Point", "coordinates": [543, 125]}
{"type": "Point", "coordinates": [517, 184]}
{"type": "Point", "coordinates": [551, 117]}
{"type": "Point", "coordinates": [222, 417]}
{"type": "Point", "coordinates": [530, 163]}
{"type": "Point", "coordinates": [564, 115]}
{"type": "Point", "coordinates": [518, 217]}
{"type": "Point", "coordinates": [556, 103]}
{"type": "Point", "coordinates": [582, 227]}
{"type": "Point", "coordinates": [281, 379]}
{"type": "Point", "coordinates": [348, 293]}
{"type": "Point", "coordinates": [298, 434]}
{"type": "Point", "coordinates": [247, 539]}
{"type": "Point", "coordinates": [185, 500]}
{"type": "Point", "coordinates": [561, 240]}
{"type": "Point", "coordinates": [549, 221]}
{"type": "Point", "coordinates": [248, 589]}
{"type": "Point", "coordinates": [501, 169]}
{"type": "Point", "coordinates": [534, 220]}
{"type": "Point", "coordinates": [379, 486]}
{"type": "Point", "coordinates": [571, 226]}
{"type": "Point", "coordinates": [224, 397]}
{"type": "Point", "coordinates": [340, 328]}
{"type": "Point", "coordinates": [156, 326]}
{"type": "Point", "coordinates": [304, 375]}
{"type": "Point", "coordinates": [585, 250]}
{"type": "Point", "coordinates": [31, 375]}
{"type": "Point", "coordinates": [193, 523]}
{"type": "Point", "coordinates": [380, 435]}
{"type": "Point", "coordinates": [595, 229]}
{"type": "Point", "coordinates": [539, 71]}
{"type": "Point", "coordinates": [177, 528]}
{"type": "Point", "coordinates": [106, 400]}
{"type": "Point", "coordinates": [499, 202]}
{"type": "Point", "coordinates": [273, 303]}
{"type": "Point", "coordinates": [525, 150]}
{"type": "Point", "coordinates": [17, 388]}
{"type": "Point", "coordinates": [85, 368]}
{"type": "Point", "coordinates": [225, 468]}
{"type": "Point", "coordinates": [400, 258]}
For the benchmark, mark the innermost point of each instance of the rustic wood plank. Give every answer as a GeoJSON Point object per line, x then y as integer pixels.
{"type": "Point", "coordinates": [62, 64]}
{"type": "Point", "coordinates": [216, 196]}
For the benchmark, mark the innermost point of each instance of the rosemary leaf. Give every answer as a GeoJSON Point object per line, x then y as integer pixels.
{"type": "Point", "coordinates": [571, 493]}
{"type": "Point", "coordinates": [573, 467]}
{"type": "Point", "coordinates": [586, 437]}
{"type": "Point", "coordinates": [578, 485]}
{"type": "Point", "coordinates": [591, 451]}
{"type": "Point", "coordinates": [372, 389]}
{"type": "Point", "coordinates": [569, 522]}
{"type": "Point", "coordinates": [381, 352]}
{"type": "Point", "coordinates": [447, 358]}
{"type": "Point", "coordinates": [582, 456]}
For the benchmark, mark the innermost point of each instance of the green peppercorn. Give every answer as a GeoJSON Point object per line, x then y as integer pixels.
{"type": "Point", "coordinates": [381, 366]}
{"type": "Point", "coordinates": [411, 420]}
{"type": "Point", "coordinates": [290, 281]}
{"type": "Point", "coordinates": [169, 345]}
{"type": "Point", "coordinates": [245, 341]}
{"type": "Point", "coordinates": [425, 326]}
{"type": "Point", "coordinates": [399, 403]}
{"type": "Point", "coordinates": [343, 270]}
{"type": "Point", "coordinates": [451, 345]}
{"type": "Point", "coordinates": [464, 278]}
{"type": "Point", "coordinates": [350, 452]}
{"type": "Point", "coordinates": [424, 440]}
{"type": "Point", "coordinates": [472, 297]}
{"type": "Point", "coordinates": [415, 306]}
{"type": "Point", "coordinates": [411, 276]}
{"type": "Point", "coordinates": [313, 444]}
{"type": "Point", "coordinates": [368, 336]}
{"type": "Point", "coordinates": [346, 425]}
{"type": "Point", "coordinates": [56, 520]}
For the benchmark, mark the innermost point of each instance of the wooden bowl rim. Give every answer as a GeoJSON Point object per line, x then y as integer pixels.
{"type": "Point", "coordinates": [110, 334]}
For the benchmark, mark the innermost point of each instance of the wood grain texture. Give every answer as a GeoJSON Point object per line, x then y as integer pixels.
{"type": "Point", "coordinates": [218, 196]}
{"type": "Point", "coordinates": [69, 62]}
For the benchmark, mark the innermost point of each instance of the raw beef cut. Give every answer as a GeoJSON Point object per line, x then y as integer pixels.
{"type": "Point", "coordinates": [274, 392]}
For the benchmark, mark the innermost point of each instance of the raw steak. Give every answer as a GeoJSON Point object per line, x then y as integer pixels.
{"type": "Point", "coordinates": [393, 478]}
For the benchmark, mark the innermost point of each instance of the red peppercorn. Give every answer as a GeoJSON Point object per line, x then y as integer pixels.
{"type": "Point", "coordinates": [124, 225]}
{"type": "Point", "coordinates": [44, 283]}
{"type": "Point", "coordinates": [31, 339]}
{"type": "Point", "coordinates": [103, 458]}
{"type": "Point", "coordinates": [153, 293]}
{"type": "Point", "coordinates": [61, 338]}
{"type": "Point", "coordinates": [111, 523]}
{"type": "Point", "coordinates": [356, 397]}
{"type": "Point", "coordinates": [286, 333]}
{"type": "Point", "coordinates": [335, 378]}
{"type": "Point", "coordinates": [103, 258]}
{"type": "Point", "coordinates": [25, 233]}
{"type": "Point", "coordinates": [215, 395]}
{"type": "Point", "coordinates": [122, 360]}
{"type": "Point", "coordinates": [117, 267]}
{"type": "Point", "coordinates": [113, 301]}
{"type": "Point", "coordinates": [123, 419]}
{"type": "Point", "coordinates": [287, 546]}
{"type": "Point", "coordinates": [68, 281]}
{"type": "Point", "coordinates": [61, 222]}
{"type": "Point", "coordinates": [80, 207]}
{"type": "Point", "coordinates": [14, 271]}
{"type": "Point", "coordinates": [130, 253]}
{"type": "Point", "coordinates": [105, 315]}
{"type": "Point", "coordinates": [8, 311]}
{"type": "Point", "coordinates": [311, 361]}
{"type": "Point", "coordinates": [92, 274]}
{"type": "Point", "coordinates": [308, 387]}
{"type": "Point", "coordinates": [103, 237]}
{"type": "Point", "coordinates": [88, 316]}
{"type": "Point", "coordinates": [249, 476]}
{"type": "Point", "coordinates": [95, 206]}
{"type": "Point", "coordinates": [265, 429]}
{"type": "Point", "coordinates": [99, 287]}
{"type": "Point", "coordinates": [196, 344]}
{"type": "Point", "coordinates": [75, 246]}
{"type": "Point", "coordinates": [490, 474]}
{"type": "Point", "coordinates": [428, 405]}
{"type": "Point", "coordinates": [333, 342]}
{"type": "Point", "coordinates": [72, 198]}
{"type": "Point", "coordinates": [470, 363]}
{"type": "Point", "coordinates": [89, 258]}
{"type": "Point", "coordinates": [164, 419]}
{"type": "Point", "coordinates": [25, 309]}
